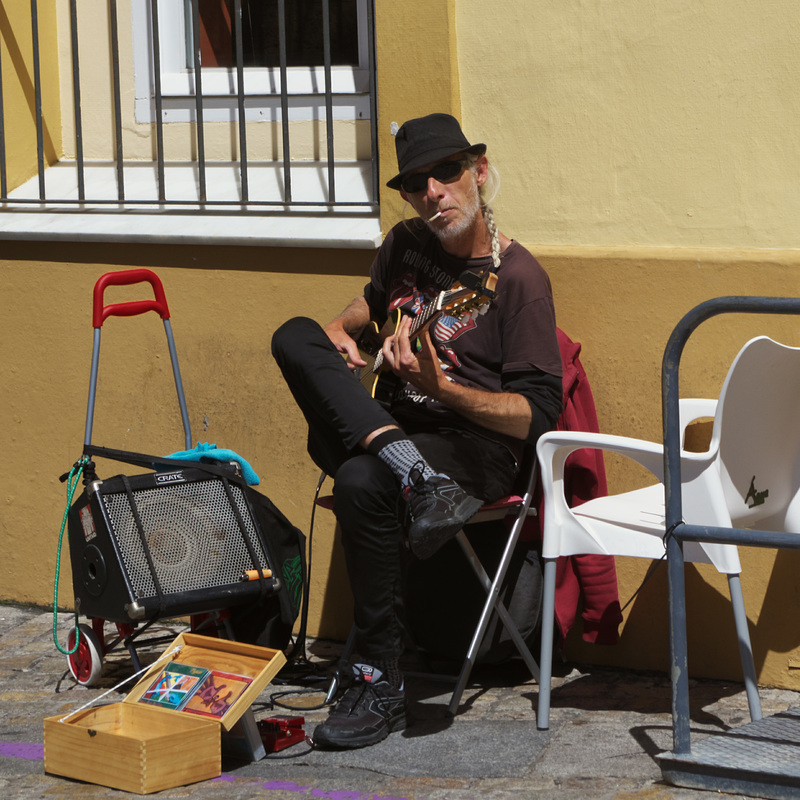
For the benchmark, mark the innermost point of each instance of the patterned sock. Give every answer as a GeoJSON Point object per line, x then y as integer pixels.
{"type": "Point", "coordinates": [403, 458]}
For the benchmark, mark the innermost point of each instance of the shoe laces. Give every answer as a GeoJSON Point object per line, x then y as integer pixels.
{"type": "Point", "coordinates": [416, 477]}
{"type": "Point", "coordinates": [359, 695]}
{"type": "Point", "coordinates": [415, 490]}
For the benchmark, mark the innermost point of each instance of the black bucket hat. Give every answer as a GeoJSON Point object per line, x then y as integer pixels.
{"type": "Point", "coordinates": [427, 139]}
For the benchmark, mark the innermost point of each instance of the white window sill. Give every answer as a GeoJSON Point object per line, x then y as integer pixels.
{"type": "Point", "coordinates": [356, 226]}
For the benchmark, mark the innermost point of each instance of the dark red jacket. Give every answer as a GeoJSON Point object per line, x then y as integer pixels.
{"type": "Point", "coordinates": [594, 576]}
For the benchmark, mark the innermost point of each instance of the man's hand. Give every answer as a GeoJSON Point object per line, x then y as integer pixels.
{"type": "Point", "coordinates": [344, 343]}
{"type": "Point", "coordinates": [420, 368]}
{"type": "Point", "coordinates": [349, 324]}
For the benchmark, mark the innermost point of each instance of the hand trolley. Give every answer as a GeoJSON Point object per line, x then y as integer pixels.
{"type": "Point", "coordinates": [181, 540]}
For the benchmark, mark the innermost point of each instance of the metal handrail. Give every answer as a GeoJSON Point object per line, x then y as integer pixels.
{"type": "Point", "coordinates": [679, 531]}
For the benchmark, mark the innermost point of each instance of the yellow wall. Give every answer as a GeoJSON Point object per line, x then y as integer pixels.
{"type": "Point", "coordinates": [647, 156]}
{"type": "Point", "coordinates": [417, 75]}
{"type": "Point", "coordinates": [638, 123]}
{"type": "Point", "coordinates": [18, 87]}
{"type": "Point", "coordinates": [225, 306]}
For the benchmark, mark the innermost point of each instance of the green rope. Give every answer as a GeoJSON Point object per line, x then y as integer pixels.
{"type": "Point", "coordinates": [74, 477]}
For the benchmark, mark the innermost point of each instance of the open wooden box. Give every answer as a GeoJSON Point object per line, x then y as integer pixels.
{"type": "Point", "coordinates": [143, 748]}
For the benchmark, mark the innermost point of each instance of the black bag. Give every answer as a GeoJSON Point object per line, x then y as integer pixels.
{"type": "Point", "coordinates": [444, 599]}
{"type": "Point", "coordinates": [269, 622]}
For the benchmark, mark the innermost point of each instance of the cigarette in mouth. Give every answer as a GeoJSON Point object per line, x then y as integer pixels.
{"type": "Point", "coordinates": [435, 216]}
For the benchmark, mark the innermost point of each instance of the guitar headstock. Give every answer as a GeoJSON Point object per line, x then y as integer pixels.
{"type": "Point", "coordinates": [473, 304]}
{"type": "Point", "coordinates": [462, 300]}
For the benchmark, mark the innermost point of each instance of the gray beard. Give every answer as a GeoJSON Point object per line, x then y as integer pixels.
{"type": "Point", "coordinates": [470, 211]}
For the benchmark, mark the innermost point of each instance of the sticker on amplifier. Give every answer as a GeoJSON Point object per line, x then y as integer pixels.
{"type": "Point", "coordinates": [87, 521]}
{"type": "Point", "coordinates": [170, 477]}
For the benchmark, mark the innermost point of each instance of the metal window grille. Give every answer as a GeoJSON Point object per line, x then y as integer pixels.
{"type": "Point", "coordinates": [246, 174]}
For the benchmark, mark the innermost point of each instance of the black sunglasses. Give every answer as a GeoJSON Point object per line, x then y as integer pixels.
{"type": "Point", "coordinates": [444, 172]}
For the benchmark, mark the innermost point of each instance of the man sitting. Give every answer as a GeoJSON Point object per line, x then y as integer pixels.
{"type": "Point", "coordinates": [472, 392]}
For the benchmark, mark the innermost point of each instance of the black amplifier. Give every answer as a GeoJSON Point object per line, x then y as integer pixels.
{"type": "Point", "coordinates": [174, 543]}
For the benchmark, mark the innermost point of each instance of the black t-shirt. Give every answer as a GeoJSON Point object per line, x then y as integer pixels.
{"type": "Point", "coordinates": [515, 334]}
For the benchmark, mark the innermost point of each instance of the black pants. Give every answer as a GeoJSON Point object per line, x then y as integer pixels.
{"type": "Point", "coordinates": [369, 506]}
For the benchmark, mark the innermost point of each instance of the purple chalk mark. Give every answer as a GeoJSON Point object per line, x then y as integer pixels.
{"type": "Point", "coordinates": [26, 750]}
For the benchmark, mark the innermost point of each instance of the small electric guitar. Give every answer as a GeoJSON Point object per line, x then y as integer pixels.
{"type": "Point", "coordinates": [459, 301]}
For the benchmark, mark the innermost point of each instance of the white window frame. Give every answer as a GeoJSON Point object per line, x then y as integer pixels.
{"type": "Point", "coordinates": [305, 85]}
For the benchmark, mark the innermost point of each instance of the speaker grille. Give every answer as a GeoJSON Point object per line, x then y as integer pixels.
{"type": "Point", "coordinates": [191, 532]}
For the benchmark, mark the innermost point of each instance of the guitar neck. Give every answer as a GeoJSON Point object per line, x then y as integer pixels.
{"type": "Point", "coordinates": [430, 311]}
{"type": "Point", "coordinates": [419, 322]}
{"type": "Point", "coordinates": [443, 300]}
{"type": "Point", "coordinates": [422, 319]}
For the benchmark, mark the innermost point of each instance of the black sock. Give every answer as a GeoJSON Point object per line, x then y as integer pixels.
{"type": "Point", "coordinates": [387, 437]}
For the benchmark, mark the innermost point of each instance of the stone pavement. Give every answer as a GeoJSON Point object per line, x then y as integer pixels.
{"type": "Point", "coordinates": [607, 726]}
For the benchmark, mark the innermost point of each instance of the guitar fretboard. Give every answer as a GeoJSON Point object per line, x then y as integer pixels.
{"type": "Point", "coordinates": [419, 321]}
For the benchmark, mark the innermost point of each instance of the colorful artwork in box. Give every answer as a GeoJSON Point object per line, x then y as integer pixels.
{"type": "Point", "coordinates": [219, 691]}
{"type": "Point", "coordinates": [174, 686]}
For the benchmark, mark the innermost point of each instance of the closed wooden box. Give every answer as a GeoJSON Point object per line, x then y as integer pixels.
{"type": "Point", "coordinates": [143, 748]}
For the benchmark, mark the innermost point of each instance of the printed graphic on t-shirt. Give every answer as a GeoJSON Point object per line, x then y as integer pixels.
{"type": "Point", "coordinates": [405, 295]}
{"type": "Point", "coordinates": [446, 330]}
{"type": "Point", "coordinates": [428, 267]}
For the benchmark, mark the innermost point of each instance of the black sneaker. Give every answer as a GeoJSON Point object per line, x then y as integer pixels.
{"type": "Point", "coordinates": [370, 709]}
{"type": "Point", "coordinates": [439, 509]}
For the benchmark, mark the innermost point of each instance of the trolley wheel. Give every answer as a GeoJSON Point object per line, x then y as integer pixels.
{"type": "Point", "coordinates": [86, 663]}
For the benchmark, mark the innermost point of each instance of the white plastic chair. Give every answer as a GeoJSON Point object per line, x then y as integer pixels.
{"type": "Point", "coordinates": [759, 438]}
{"type": "Point", "coordinates": [754, 446]}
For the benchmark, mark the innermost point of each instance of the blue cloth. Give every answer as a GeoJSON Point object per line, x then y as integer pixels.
{"type": "Point", "coordinates": [211, 451]}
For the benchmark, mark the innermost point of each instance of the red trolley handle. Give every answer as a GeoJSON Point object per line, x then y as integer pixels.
{"type": "Point", "coordinates": [130, 309]}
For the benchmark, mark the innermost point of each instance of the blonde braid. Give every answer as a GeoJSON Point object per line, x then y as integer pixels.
{"type": "Point", "coordinates": [487, 193]}
{"type": "Point", "coordinates": [488, 216]}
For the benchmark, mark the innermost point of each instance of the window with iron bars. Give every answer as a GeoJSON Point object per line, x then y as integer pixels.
{"type": "Point", "coordinates": [209, 107]}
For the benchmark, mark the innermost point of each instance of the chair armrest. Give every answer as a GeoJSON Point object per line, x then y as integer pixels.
{"type": "Point", "coordinates": [554, 447]}
{"type": "Point", "coordinates": [691, 409]}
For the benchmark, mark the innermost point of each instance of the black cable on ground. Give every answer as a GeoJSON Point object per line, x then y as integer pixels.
{"type": "Point", "coordinates": [298, 668]}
